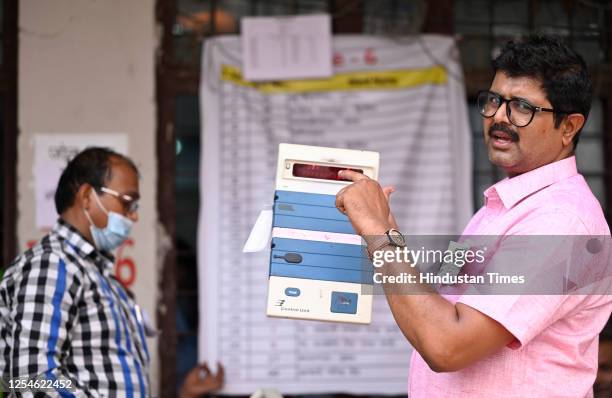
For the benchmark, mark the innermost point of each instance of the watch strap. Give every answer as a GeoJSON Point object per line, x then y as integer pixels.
{"type": "Point", "coordinates": [377, 243]}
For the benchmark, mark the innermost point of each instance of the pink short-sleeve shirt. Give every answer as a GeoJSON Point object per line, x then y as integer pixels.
{"type": "Point", "coordinates": [556, 337]}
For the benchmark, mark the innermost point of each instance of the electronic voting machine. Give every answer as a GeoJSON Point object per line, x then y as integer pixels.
{"type": "Point", "coordinates": [318, 267]}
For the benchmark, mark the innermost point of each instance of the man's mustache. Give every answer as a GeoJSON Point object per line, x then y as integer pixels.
{"type": "Point", "coordinates": [514, 137]}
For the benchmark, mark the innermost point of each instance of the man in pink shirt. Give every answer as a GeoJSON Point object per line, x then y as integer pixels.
{"type": "Point", "coordinates": [507, 345]}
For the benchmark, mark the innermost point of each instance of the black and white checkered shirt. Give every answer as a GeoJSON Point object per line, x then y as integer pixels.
{"type": "Point", "coordinates": [63, 316]}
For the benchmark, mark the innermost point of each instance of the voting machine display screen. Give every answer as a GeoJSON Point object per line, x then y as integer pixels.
{"type": "Point", "coordinates": [318, 267]}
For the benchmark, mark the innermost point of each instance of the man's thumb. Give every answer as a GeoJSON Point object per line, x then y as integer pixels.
{"type": "Point", "coordinates": [388, 191]}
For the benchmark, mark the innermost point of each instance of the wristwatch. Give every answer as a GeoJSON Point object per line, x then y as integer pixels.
{"type": "Point", "coordinates": [392, 237]}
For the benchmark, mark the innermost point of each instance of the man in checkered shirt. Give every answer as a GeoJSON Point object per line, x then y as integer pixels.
{"type": "Point", "coordinates": [63, 316]}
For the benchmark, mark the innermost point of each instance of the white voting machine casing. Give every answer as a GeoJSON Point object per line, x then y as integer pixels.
{"type": "Point", "coordinates": [318, 267]}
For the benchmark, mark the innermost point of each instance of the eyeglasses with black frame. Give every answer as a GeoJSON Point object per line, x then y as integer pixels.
{"type": "Point", "coordinates": [520, 112]}
{"type": "Point", "coordinates": [130, 203]}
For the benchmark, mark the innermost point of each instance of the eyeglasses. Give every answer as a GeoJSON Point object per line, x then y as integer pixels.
{"type": "Point", "coordinates": [128, 201]}
{"type": "Point", "coordinates": [519, 112]}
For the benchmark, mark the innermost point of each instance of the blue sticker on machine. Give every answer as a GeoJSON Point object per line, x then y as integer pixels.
{"type": "Point", "coordinates": [344, 302]}
{"type": "Point", "coordinates": [336, 262]}
{"type": "Point", "coordinates": [309, 211]}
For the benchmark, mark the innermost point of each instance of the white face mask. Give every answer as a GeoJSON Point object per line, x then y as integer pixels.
{"type": "Point", "coordinates": [116, 231]}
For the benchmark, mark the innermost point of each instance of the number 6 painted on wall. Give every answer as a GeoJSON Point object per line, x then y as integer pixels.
{"type": "Point", "coordinates": [125, 268]}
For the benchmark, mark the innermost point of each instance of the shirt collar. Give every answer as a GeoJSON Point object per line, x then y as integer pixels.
{"type": "Point", "coordinates": [513, 190]}
{"type": "Point", "coordinates": [77, 241]}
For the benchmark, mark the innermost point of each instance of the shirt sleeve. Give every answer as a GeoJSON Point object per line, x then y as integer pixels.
{"type": "Point", "coordinates": [548, 263]}
{"type": "Point", "coordinates": [523, 316]}
{"type": "Point", "coordinates": [43, 307]}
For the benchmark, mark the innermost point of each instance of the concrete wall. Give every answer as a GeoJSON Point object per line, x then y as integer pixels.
{"type": "Point", "coordinates": [87, 66]}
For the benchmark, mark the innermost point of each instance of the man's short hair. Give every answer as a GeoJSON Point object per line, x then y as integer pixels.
{"type": "Point", "coordinates": [562, 72]}
{"type": "Point", "coordinates": [91, 166]}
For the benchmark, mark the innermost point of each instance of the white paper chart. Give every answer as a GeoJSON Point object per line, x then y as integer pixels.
{"type": "Point", "coordinates": [402, 99]}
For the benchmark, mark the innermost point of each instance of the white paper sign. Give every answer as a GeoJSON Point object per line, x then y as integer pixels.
{"type": "Point", "coordinates": [280, 48]}
{"type": "Point", "coordinates": [51, 154]}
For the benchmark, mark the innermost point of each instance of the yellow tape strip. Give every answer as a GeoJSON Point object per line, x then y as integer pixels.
{"type": "Point", "coordinates": [374, 80]}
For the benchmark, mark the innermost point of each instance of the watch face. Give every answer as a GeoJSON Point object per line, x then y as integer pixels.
{"type": "Point", "coordinates": [396, 237]}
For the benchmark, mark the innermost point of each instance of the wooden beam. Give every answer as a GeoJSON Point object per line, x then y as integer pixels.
{"type": "Point", "coordinates": [9, 157]}
{"type": "Point", "coordinates": [166, 205]}
{"type": "Point", "coordinates": [439, 17]}
{"type": "Point", "coordinates": [347, 16]}
{"type": "Point", "coordinates": [604, 87]}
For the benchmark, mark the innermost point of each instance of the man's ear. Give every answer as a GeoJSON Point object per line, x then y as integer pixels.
{"type": "Point", "coordinates": [83, 195]}
{"type": "Point", "coordinates": [570, 126]}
